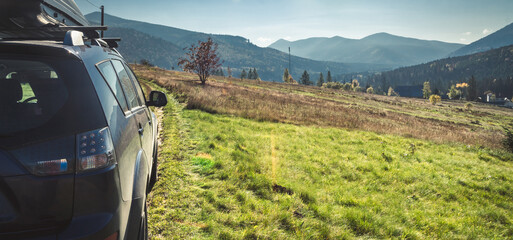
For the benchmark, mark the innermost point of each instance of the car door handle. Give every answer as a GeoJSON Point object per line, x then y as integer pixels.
{"type": "Point", "coordinates": [141, 129]}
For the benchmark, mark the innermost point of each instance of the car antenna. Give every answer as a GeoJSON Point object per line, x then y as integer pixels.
{"type": "Point", "coordinates": [103, 18]}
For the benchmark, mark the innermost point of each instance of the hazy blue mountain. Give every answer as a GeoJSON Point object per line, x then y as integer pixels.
{"type": "Point", "coordinates": [382, 48]}
{"type": "Point", "coordinates": [501, 38]}
{"type": "Point", "coordinates": [143, 40]}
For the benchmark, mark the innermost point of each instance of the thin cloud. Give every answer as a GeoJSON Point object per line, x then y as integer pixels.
{"type": "Point", "coordinates": [486, 31]}
{"type": "Point", "coordinates": [467, 33]}
{"type": "Point", "coordinates": [262, 41]}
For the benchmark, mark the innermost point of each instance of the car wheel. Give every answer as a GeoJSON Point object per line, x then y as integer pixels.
{"type": "Point", "coordinates": [143, 230]}
{"type": "Point", "coordinates": [153, 177]}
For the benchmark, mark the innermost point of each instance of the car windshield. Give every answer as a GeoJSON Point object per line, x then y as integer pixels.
{"type": "Point", "coordinates": [40, 98]}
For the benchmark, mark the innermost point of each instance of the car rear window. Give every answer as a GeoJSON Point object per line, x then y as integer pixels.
{"type": "Point", "coordinates": [44, 97]}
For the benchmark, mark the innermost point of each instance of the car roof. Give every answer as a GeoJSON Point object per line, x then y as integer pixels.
{"type": "Point", "coordinates": [56, 49]}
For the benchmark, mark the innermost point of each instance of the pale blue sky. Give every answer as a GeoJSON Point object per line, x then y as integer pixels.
{"type": "Point", "coordinates": [265, 21]}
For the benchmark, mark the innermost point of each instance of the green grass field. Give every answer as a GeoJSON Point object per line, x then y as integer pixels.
{"type": "Point", "coordinates": [225, 177]}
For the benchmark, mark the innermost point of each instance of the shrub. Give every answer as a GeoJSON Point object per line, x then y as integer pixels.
{"type": "Point", "coordinates": [333, 85]}
{"type": "Point", "coordinates": [468, 106]}
{"type": "Point", "coordinates": [347, 86]}
{"type": "Point", "coordinates": [370, 90]}
{"type": "Point", "coordinates": [434, 99]}
{"type": "Point", "coordinates": [391, 92]}
{"type": "Point", "coordinates": [145, 62]}
{"type": "Point", "coordinates": [454, 93]}
{"type": "Point", "coordinates": [355, 84]}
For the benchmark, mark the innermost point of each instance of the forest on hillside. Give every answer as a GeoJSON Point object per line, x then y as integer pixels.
{"type": "Point", "coordinates": [492, 70]}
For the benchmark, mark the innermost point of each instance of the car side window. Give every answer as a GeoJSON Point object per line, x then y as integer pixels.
{"type": "Point", "coordinates": [110, 76]}
{"type": "Point", "coordinates": [126, 84]}
{"type": "Point", "coordinates": [140, 93]}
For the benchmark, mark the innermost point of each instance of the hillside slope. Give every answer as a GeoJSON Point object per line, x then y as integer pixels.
{"type": "Point", "coordinates": [492, 69]}
{"type": "Point", "coordinates": [309, 105]}
{"type": "Point", "coordinates": [381, 48]}
{"type": "Point", "coordinates": [236, 52]}
{"type": "Point", "coordinates": [156, 51]}
{"type": "Point", "coordinates": [501, 38]}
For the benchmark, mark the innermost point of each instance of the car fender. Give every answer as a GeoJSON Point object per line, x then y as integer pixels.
{"type": "Point", "coordinates": [141, 175]}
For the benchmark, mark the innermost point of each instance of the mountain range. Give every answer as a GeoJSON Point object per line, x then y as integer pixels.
{"type": "Point", "coordinates": [380, 48]}
{"type": "Point", "coordinates": [382, 52]}
{"type": "Point", "coordinates": [163, 46]}
{"type": "Point", "coordinates": [501, 38]}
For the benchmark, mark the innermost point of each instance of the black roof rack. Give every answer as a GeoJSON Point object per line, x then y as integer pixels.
{"type": "Point", "coordinates": [56, 33]}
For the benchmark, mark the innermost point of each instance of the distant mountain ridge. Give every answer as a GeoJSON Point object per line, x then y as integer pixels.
{"type": "Point", "coordinates": [380, 48]}
{"type": "Point", "coordinates": [236, 52]}
{"type": "Point", "coordinates": [501, 38]}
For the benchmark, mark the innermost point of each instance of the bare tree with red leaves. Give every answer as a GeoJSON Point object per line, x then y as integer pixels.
{"type": "Point", "coordinates": [201, 59]}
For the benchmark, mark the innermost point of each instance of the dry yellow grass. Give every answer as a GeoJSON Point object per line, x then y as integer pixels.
{"type": "Point", "coordinates": [307, 105]}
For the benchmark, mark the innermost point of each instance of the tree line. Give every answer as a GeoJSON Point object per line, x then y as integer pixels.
{"type": "Point", "coordinates": [491, 71]}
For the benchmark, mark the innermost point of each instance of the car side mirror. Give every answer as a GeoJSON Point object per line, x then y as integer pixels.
{"type": "Point", "coordinates": [157, 99]}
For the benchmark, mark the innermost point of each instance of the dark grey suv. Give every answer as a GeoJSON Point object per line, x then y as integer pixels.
{"type": "Point", "coordinates": [77, 141]}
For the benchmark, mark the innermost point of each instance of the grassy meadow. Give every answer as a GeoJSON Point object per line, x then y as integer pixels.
{"type": "Point", "coordinates": [248, 167]}
{"type": "Point", "coordinates": [308, 105]}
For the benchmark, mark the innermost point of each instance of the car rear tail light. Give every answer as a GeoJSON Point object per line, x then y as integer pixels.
{"type": "Point", "coordinates": [95, 150]}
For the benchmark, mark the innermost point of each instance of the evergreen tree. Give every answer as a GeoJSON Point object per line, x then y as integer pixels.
{"type": "Point", "coordinates": [305, 78]}
{"type": "Point", "coordinates": [328, 78]}
{"type": "Point", "coordinates": [472, 89]}
{"type": "Point", "coordinates": [255, 74]}
{"type": "Point", "coordinates": [384, 83]}
{"type": "Point", "coordinates": [250, 74]}
{"type": "Point", "coordinates": [286, 75]}
{"type": "Point", "coordinates": [320, 82]}
{"type": "Point", "coordinates": [426, 90]}
{"type": "Point", "coordinates": [243, 74]}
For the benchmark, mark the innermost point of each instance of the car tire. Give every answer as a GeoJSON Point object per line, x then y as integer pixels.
{"type": "Point", "coordinates": [153, 176]}
{"type": "Point", "coordinates": [143, 229]}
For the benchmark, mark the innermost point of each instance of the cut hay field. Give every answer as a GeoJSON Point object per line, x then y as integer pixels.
{"type": "Point", "coordinates": [249, 166]}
